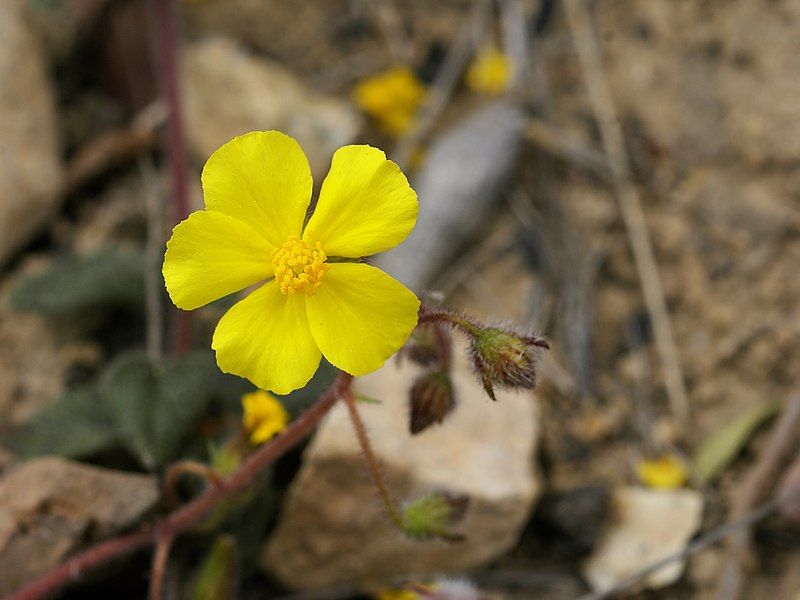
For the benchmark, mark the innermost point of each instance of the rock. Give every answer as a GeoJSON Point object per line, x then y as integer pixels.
{"type": "Point", "coordinates": [649, 525]}
{"type": "Point", "coordinates": [50, 506]}
{"type": "Point", "coordinates": [30, 169]}
{"type": "Point", "coordinates": [333, 528]}
{"type": "Point", "coordinates": [230, 92]}
{"type": "Point", "coordinates": [463, 178]}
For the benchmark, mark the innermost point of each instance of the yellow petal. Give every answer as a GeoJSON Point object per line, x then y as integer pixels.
{"type": "Point", "coordinates": [365, 206]}
{"type": "Point", "coordinates": [360, 316]}
{"type": "Point", "coordinates": [266, 339]}
{"type": "Point", "coordinates": [263, 179]}
{"type": "Point", "coordinates": [211, 255]}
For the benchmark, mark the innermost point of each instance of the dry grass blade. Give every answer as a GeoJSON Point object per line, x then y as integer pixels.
{"type": "Point", "coordinates": [629, 203]}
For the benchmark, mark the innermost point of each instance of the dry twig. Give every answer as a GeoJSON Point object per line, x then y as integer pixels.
{"type": "Point", "coordinates": [629, 203]}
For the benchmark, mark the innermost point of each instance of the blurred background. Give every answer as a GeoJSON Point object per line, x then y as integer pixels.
{"type": "Point", "coordinates": [619, 176]}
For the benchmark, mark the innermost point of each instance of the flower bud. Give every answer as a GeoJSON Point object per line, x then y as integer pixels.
{"type": "Point", "coordinates": [422, 348]}
{"type": "Point", "coordinates": [432, 398]}
{"type": "Point", "coordinates": [504, 358]}
{"type": "Point", "coordinates": [435, 515]}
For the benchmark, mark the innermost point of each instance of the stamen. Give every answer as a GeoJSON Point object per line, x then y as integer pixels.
{"type": "Point", "coordinates": [299, 266]}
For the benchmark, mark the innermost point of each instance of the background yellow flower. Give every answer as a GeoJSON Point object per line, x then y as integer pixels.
{"type": "Point", "coordinates": [317, 299]}
{"type": "Point", "coordinates": [391, 98]}
{"type": "Point", "coordinates": [264, 416]}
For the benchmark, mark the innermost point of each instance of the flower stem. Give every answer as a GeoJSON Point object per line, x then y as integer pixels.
{"type": "Point", "coordinates": [165, 50]}
{"type": "Point", "coordinates": [442, 315]}
{"type": "Point", "coordinates": [370, 461]}
{"type": "Point", "coordinates": [191, 514]}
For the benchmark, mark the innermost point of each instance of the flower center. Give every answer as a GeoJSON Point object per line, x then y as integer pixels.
{"type": "Point", "coordinates": [299, 266]}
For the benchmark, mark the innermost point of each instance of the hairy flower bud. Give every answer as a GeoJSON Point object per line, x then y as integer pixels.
{"type": "Point", "coordinates": [432, 398]}
{"type": "Point", "coordinates": [504, 358]}
{"type": "Point", "coordinates": [422, 346]}
{"type": "Point", "coordinates": [435, 515]}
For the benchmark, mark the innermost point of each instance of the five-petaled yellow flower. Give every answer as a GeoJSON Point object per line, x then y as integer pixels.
{"type": "Point", "coordinates": [264, 416]}
{"type": "Point", "coordinates": [317, 298]}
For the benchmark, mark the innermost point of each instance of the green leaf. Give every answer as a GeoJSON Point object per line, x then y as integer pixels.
{"type": "Point", "coordinates": [76, 425]}
{"type": "Point", "coordinates": [155, 405]}
{"type": "Point", "coordinates": [216, 579]}
{"type": "Point", "coordinates": [78, 284]}
{"type": "Point", "coordinates": [723, 445]}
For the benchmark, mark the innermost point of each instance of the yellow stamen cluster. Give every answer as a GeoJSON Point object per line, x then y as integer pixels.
{"type": "Point", "coordinates": [299, 266]}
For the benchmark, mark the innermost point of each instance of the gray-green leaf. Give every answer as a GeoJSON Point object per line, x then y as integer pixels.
{"type": "Point", "coordinates": [76, 425]}
{"type": "Point", "coordinates": [154, 405]}
{"type": "Point", "coordinates": [723, 445]}
{"type": "Point", "coordinates": [78, 284]}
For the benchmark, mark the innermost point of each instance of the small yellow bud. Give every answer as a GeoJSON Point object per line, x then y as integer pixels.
{"type": "Point", "coordinates": [667, 472]}
{"type": "Point", "coordinates": [264, 416]}
{"type": "Point", "coordinates": [490, 72]}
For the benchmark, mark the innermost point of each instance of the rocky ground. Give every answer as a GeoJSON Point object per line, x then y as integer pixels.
{"type": "Point", "coordinates": [519, 222]}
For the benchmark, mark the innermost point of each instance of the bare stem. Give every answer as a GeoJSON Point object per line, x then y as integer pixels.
{"type": "Point", "coordinates": [370, 461]}
{"type": "Point", "coordinates": [189, 515]}
{"type": "Point", "coordinates": [165, 45]}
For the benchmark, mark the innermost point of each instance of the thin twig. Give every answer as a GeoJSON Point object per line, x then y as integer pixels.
{"type": "Point", "coordinates": [192, 513]}
{"type": "Point", "coordinates": [759, 480]}
{"type": "Point", "coordinates": [628, 198]}
{"type": "Point", "coordinates": [165, 43]}
{"type": "Point", "coordinates": [370, 460]}
{"type": "Point", "coordinates": [159, 568]}
{"type": "Point", "coordinates": [444, 84]}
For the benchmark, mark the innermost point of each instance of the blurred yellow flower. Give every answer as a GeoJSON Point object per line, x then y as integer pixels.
{"type": "Point", "coordinates": [264, 416]}
{"type": "Point", "coordinates": [666, 472]}
{"type": "Point", "coordinates": [490, 72]}
{"type": "Point", "coordinates": [391, 98]}
{"type": "Point", "coordinates": [317, 298]}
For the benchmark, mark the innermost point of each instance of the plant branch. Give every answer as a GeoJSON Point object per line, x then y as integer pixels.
{"type": "Point", "coordinates": [370, 461]}
{"type": "Point", "coordinates": [186, 517]}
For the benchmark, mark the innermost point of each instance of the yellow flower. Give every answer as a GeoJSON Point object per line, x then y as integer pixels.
{"type": "Point", "coordinates": [667, 472]}
{"type": "Point", "coordinates": [317, 298]}
{"type": "Point", "coordinates": [391, 98]}
{"type": "Point", "coordinates": [490, 72]}
{"type": "Point", "coordinates": [264, 416]}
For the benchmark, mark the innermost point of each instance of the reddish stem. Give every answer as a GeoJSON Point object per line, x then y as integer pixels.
{"type": "Point", "coordinates": [192, 513]}
{"type": "Point", "coordinates": [369, 459]}
{"type": "Point", "coordinates": [165, 47]}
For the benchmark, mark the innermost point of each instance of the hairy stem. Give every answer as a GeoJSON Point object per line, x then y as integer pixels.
{"type": "Point", "coordinates": [165, 50]}
{"type": "Point", "coordinates": [370, 461]}
{"type": "Point", "coordinates": [189, 515]}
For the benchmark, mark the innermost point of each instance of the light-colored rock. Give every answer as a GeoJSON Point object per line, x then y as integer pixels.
{"type": "Point", "coordinates": [30, 169]}
{"type": "Point", "coordinates": [49, 506]}
{"type": "Point", "coordinates": [333, 527]}
{"type": "Point", "coordinates": [230, 92]}
{"type": "Point", "coordinates": [465, 173]}
{"type": "Point", "coordinates": [649, 525]}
